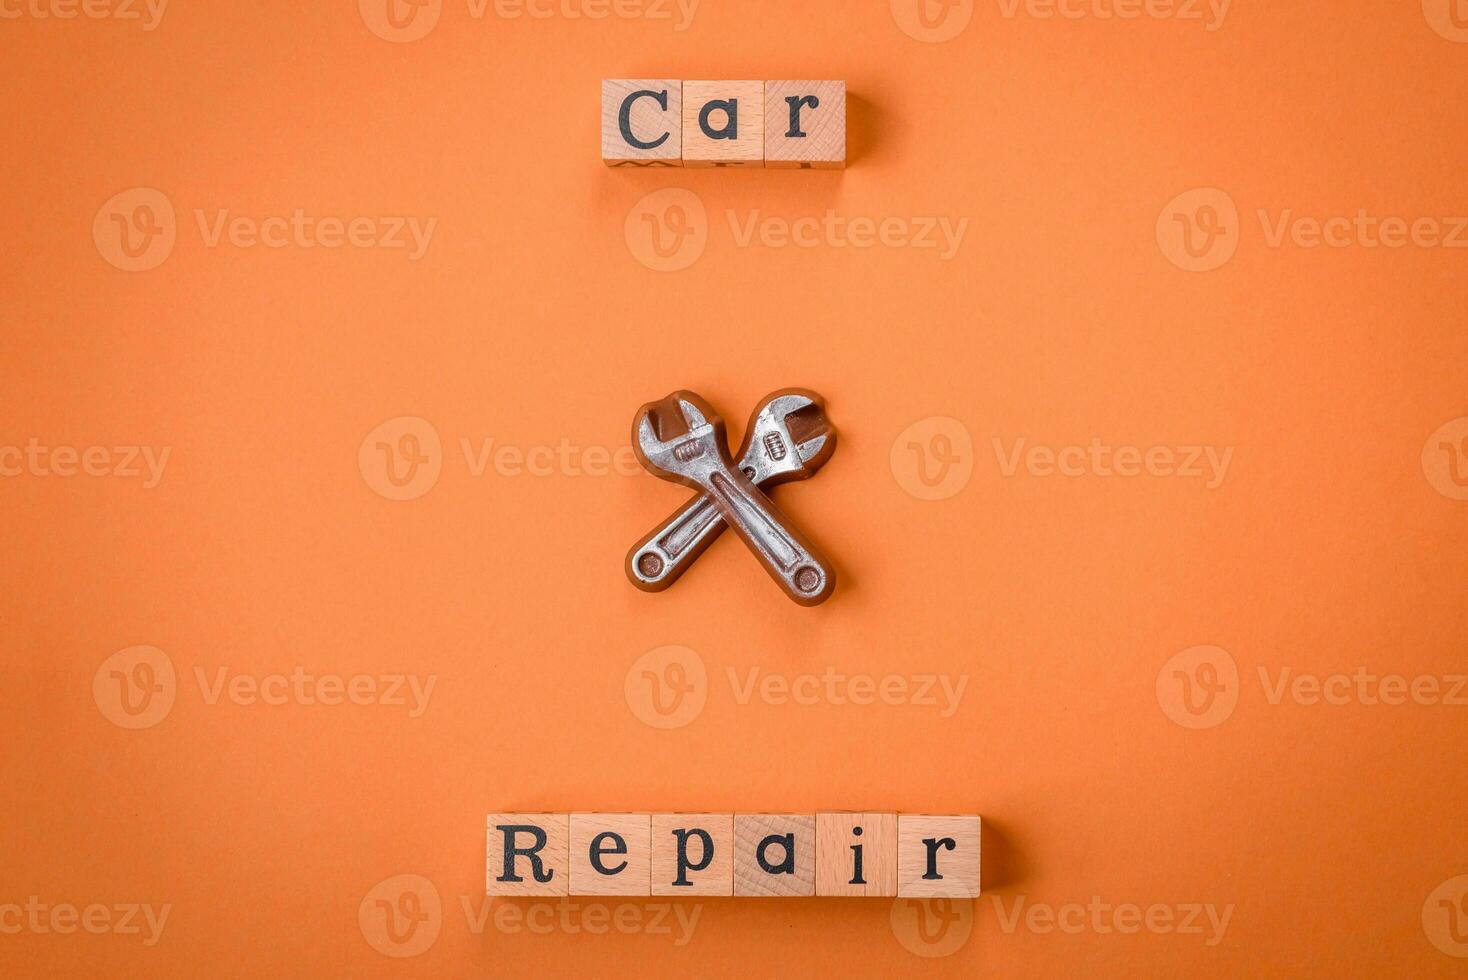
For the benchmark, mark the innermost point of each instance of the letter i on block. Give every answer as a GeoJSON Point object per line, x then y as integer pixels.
{"type": "Point", "coordinates": [937, 857]}
{"type": "Point", "coordinates": [856, 854]}
{"type": "Point", "coordinates": [527, 854]}
{"type": "Point", "coordinates": [774, 854]}
{"type": "Point", "coordinates": [611, 854]}
{"type": "Point", "coordinates": [642, 122]}
{"type": "Point", "coordinates": [805, 125]}
{"type": "Point", "coordinates": [723, 124]}
{"type": "Point", "coordinates": [693, 853]}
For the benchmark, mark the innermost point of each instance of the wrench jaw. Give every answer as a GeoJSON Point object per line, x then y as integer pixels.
{"type": "Point", "coordinates": [789, 438]}
{"type": "Point", "coordinates": [680, 439]}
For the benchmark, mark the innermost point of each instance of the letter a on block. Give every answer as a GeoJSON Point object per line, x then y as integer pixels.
{"type": "Point", "coordinates": [527, 854]}
{"type": "Point", "coordinates": [642, 122]}
{"type": "Point", "coordinates": [805, 125]}
{"type": "Point", "coordinates": [723, 124]}
{"type": "Point", "coordinates": [775, 854]}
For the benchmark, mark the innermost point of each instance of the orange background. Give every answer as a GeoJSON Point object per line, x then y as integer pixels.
{"type": "Point", "coordinates": [530, 320]}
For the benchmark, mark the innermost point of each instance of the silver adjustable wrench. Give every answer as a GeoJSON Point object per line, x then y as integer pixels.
{"type": "Point", "coordinates": [788, 438]}
{"type": "Point", "coordinates": [681, 439]}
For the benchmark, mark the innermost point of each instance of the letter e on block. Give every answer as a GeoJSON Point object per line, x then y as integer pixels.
{"type": "Point", "coordinates": [937, 857]}
{"type": "Point", "coordinates": [527, 854]}
{"type": "Point", "coordinates": [642, 122]}
{"type": "Point", "coordinates": [611, 854]}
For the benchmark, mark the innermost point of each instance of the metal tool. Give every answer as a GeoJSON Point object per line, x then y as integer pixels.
{"type": "Point", "coordinates": [681, 439]}
{"type": "Point", "coordinates": [788, 439]}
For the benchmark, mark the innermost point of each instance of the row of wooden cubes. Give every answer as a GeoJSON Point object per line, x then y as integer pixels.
{"type": "Point", "coordinates": [747, 854]}
{"type": "Point", "coordinates": [660, 122]}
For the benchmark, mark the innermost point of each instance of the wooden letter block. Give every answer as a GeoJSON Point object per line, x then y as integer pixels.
{"type": "Point", "coordinates": [693, 853]}
{"type": "Point", "coordinates": [805, 125]}
{"type": "Point", "coordinates": [642, 122]}
{"type": "Point", "coordinates": [856, 854]}
{"type": "Point", "coordinates": [723, 124]}
{"type": "Point", "coordinates": [937, 857]}
{"type": "Point", "coordinates": [527, 854]}
{"type": "Point", "coordinates": [774, 854]}
{"type": "Point", "coordinates": [611, 853]}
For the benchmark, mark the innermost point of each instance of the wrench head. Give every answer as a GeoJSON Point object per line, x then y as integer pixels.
{"type": "Point", "coordinates": [680, 438]}
{"type": "Point", "coordinates": [789, 438]}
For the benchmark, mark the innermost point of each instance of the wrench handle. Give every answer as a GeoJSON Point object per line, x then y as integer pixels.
{"type": "Point", "coordinates": [791, 561]}
{"type": "Point", "coordinates": [656, 562]}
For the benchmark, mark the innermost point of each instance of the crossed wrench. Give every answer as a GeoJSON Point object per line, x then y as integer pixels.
{"type": "Point", "coordinates": [681, 439]}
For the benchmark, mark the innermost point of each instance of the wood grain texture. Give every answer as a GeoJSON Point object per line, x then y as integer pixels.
{"type": "Point", "coordinates": [820, 129]}
{"type": "Point", "coordinates": [747, 125]}
{"type": "Point", "coordinates": [956, 866]}
{"type": "Point", "coordinates": [647, 120]}
{"type": "Point", "coordinates": [553, 854]}
{"type": "Point", "coordinates": [717, 878]}
{"type": "Point", "coordinates": [751, 830]}
{"type": "Point", "coordinates": [633, 869]}
{"type": "Point", "coordinates": [876, 835]}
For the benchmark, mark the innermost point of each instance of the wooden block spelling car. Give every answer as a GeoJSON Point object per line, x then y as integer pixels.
{"type": "Point", "coordinates": [783, 123]}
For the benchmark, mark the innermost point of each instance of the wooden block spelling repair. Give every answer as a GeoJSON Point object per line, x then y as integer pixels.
{"type": "Point", "coordinates": [642, 122]}
{"type": "Point", "coordinates": [805, 125]}
{"type": "Point", "coordinates": [937, 857]}
{"type": "Point", "coordinates": [526, 854]}
{"type": "Point", "coordinates": [774, 854]}
{"type": "Point", "coordinates": [856, 854]}
{"type": "Point", "coordinates": [723, 124]}
{"type": "Point", "coordinates": [611, 854]}
{"type": "Point", "coordinates": [693, 853]}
